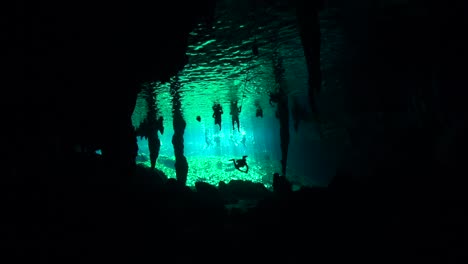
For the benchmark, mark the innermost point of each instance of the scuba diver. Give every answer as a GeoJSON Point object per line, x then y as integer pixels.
{"type": "Point", "coordinates": [241, 163]}
{"type": "Point", "coordinates": [235, 111]}
{"type": "Point", "coordinates": [217, 112]}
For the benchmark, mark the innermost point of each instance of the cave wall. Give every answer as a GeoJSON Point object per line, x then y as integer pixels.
{"type": "Point", "coordinates": [73, 71]}
{"type": "Point", "coordinates": [401, 89]}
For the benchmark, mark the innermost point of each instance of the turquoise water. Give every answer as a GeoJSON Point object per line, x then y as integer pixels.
{"type": "Point", "coordinates": [210, 162]}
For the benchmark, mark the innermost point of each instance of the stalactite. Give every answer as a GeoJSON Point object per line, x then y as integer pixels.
{"type": "Point", "coordinates": [152, 134]}
{"type": "Point", "coordinates": [151, 125]}
{"type": "Point", "coordinates": [309, 28]}
{"type": "Point", "coordinates": [282, 113]}
{"type": "Point", "coordinates": [181, 164]}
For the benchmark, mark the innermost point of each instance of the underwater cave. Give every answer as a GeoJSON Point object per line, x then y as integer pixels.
{"type": "Point", "coordinates": [243, 56]}
{"type": "Point", "coordinates": [241, 130]}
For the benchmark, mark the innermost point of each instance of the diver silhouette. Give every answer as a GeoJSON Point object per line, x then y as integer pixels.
{"type": "Point", "coordinates": [241, 163]}
{"type": "Point", "coordinates": [235, 111]}
{"type": "Point", "coordinates": [217, 112]}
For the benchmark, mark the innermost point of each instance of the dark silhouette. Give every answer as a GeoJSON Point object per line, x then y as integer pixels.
{"type": "Point", "coordinates": [255, 49]}
{"type": "Point", "coordinates": [179, 124]}
{"type": "Point", "coordinates": [149, 130]}
{"type": "Point", "coordinates": [274, 97]}
{"type": "Point", "coordinates": [154, 143]}
{"type": "Point", "coordinates": [217, 112]}
{"type": "Point", "coordinates": [280, 97]}
{"type": "Point", "coordinates": [217, 140]}
{"type": "Point", "coordinates": [283, 116]}
{"type": "Point", "coordinates": [298, 114]}
{"type": "Point", "coordinates": [259, 110]}
{"type": "Point", "coordinates": [235, 111]}
{"type": "Point", "coordinates": [281, 185]}
{"type": "Point", "coordinates": [198, 118]}
{"type": "Point", "coordinates": [311, 37]}
{"type": "Point", "coordinates": [240, 163]}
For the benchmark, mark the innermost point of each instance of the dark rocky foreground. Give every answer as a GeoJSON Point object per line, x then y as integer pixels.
{"type": "Point", "coordinates": [91, 215]}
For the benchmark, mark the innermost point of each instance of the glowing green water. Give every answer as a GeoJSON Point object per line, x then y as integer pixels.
{"type": "Point", "coordinates": [213, 169]}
